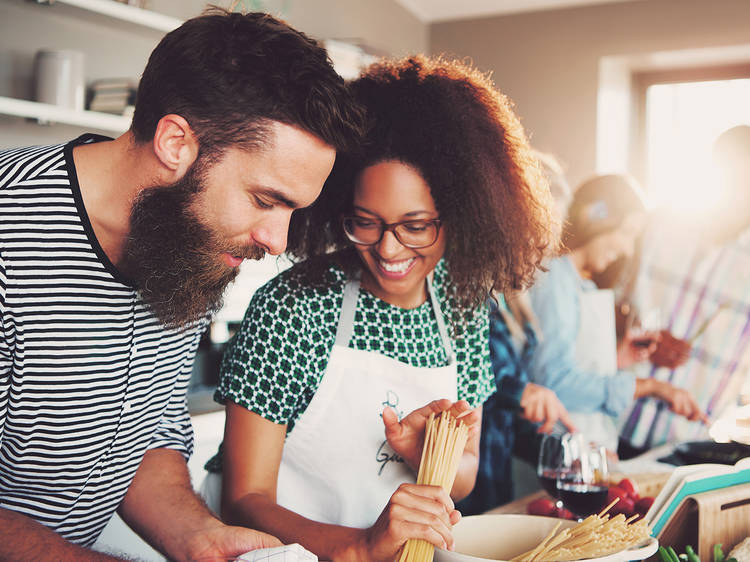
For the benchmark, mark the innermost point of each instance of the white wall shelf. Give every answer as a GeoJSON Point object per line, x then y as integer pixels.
{"type": "Point", "coordinates": [113, 11]}
{"type": "Point", "coordinates": [123, 12]}
{"type": "Point", "coordinates": [47, 113]}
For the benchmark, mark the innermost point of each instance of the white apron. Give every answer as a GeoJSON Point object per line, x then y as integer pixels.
{"type": "Point", "coordinates": [336, 466]}
{"type": "Point", "coordinates": [596, 352]}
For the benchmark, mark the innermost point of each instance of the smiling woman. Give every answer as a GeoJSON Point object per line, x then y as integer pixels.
{"type": "Point", "coordinates": [384, 322]}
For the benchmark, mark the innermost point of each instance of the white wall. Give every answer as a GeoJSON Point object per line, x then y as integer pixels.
{"type": "Point", "coordinates": [549, 62]}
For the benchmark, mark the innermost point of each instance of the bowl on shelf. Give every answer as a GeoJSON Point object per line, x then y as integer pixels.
{"type": "Point", "coordinates": [501, 537]}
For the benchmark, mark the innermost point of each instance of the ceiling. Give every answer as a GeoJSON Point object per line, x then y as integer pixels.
{"type": "Point", "coordinates": [430, 11]}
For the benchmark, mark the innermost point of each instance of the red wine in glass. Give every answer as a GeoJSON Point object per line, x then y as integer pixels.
{"type": "Point", "coordinates": [548, 480]}
{"type": "Point", "coordinates": [583, 499]}
{"type": "Point", "coordinates": [548, 466]}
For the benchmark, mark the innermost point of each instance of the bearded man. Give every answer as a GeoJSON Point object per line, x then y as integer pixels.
{"type": "Point", "coordinates": [113, 256]}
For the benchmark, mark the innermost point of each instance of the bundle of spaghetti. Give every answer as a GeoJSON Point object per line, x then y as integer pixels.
{"type": "Point", "coordinates": [444, 443]}
{"type": "Point", "coordinates": [596, 536]}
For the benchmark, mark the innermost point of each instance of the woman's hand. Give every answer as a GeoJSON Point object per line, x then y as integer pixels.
{"type": "Point", "coordinates": [671, 352]}
{"type": "Point", "coordinates": [406, 437]}
{"type": "Point", "coordinates": [680, 401]}
{"type": "Point", "coordinates": [413, 512]}
{"type": "Point", "coordinates": [636, 348]}
{"type": "Point", "coordinates": [541, 405]}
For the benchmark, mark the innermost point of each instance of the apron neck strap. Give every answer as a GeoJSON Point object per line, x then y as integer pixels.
{"type": "Point", "coordinates": [442, 328]}
{"type": "Point", "coordinates": [349, 308]}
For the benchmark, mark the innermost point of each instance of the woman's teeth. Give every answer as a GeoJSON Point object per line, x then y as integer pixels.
{"type": "Point", "coordinates": [396, 267]}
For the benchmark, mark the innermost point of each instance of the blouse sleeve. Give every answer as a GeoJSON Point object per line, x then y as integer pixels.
{"type": "Point", "coordinates": [274, 363]}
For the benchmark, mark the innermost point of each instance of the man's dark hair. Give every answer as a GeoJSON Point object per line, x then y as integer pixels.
{"type": "Point", "coordinates": [447, 121]}
{"type": "Point", "coordinates": [230, 74]}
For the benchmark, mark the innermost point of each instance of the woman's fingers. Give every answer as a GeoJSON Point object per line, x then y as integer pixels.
{"type": "Point", "coordinates": [415, 512]}
{"type": "Point", "coordinates": [685, 405]}
{"type": "Point", "coordinates": [393, 428]}
{"type": "Point", "coordinates": [541, 405]}
{"type": "Point", "coordinates": [418, 519]}
{"type": "Point", "coordinates": [424, 496]}
{"type": "Point", "coordinates": [414, 530]}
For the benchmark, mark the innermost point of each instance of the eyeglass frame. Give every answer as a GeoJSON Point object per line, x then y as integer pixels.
{"type": "Point", "coordinates": [391, 227]}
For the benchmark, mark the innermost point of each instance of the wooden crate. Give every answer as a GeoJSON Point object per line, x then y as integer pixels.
{"type": "Point", "coordinates": [702, 520]}
{"type": "Point", "coordinates": [649, 483]}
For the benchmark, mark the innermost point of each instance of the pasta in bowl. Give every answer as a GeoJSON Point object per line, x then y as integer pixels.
{"type": "Point", "coordinates": [505, 537]}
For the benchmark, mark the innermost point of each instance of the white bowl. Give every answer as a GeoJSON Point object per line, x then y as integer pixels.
{"type": "Point", "coordinates": [503, 536]}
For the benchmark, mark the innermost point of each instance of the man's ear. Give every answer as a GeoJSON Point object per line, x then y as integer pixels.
{"type": "Point", "coordinates": [175, 145]}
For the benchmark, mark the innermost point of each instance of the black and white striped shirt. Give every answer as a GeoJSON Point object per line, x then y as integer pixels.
{"type": "Point", "coordinates": [89, 379]}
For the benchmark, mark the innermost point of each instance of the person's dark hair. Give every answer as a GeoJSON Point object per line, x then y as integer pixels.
{"type": "Point", "coordinates": [447, 121]}
{"type": "Point", "coordinates": [600, 205]}
{"type": "Point", "coordinates": [230, 74]}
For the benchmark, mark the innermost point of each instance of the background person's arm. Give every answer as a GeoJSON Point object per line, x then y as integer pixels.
{"type": "Point", "coordinates": [23, 539]}
{"type": "Point", "coordinates": [162, 507]}
{"type": "Point", "coordinates": [679, 400]}
{"type": "Point", "coordinates": [541, 405]}
{"type": "Point", "coordinates": [554, 365]}
{"type": "Point", "coordinates": [252, 454]}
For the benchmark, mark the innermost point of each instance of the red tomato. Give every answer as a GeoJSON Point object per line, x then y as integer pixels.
{"type": "Point", "coordinates": [626, 506]}
{"type": "Point", "coordinates": [616, 492]}
{"type": "Point", "coordinates": [629, 486]}
{"type": "Point", "coordinates": [565, 513]}
{"type": "Point", "coordinates": [644, 504]}
{"type": "Point", "coordinates": [541, 506]}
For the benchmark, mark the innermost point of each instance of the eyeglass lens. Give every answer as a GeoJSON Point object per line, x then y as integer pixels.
{"type": "Point", "coordinates": [416, 233]}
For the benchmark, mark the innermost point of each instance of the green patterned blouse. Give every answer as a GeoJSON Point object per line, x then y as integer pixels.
{"type": "Point", "coordinates": [275, 362]}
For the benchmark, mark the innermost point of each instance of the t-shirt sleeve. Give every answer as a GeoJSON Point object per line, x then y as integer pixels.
{"type": "Point", "coordinates": [274, 363]}
{"type": "Point", "coordinates": [175, 430]}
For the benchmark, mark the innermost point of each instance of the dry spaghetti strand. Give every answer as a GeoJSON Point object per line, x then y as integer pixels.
{"type": "Point", "coordinates": [444, 443]}
{"type": "Point", "coordinates": [596, 536]}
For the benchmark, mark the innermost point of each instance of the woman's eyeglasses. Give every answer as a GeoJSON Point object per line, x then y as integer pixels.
{"type": "Point", "coordinates": [413, 234]}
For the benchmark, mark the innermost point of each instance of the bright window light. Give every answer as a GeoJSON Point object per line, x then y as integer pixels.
{"type": "Point", "coordinates": [682, 122]}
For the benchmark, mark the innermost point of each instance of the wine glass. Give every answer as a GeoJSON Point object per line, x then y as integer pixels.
{"type": "Point", "coordinates": [644, 326]}
{"type": "Point", "coordinates": [548, 465]}
{"type": "Point", "coordinates": [582, 476]}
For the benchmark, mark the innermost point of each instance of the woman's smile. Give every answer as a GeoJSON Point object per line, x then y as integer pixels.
{"type": "Point", "coordinates": [396, 269]}
{"type": "Point", "coordinates": [394, 195]}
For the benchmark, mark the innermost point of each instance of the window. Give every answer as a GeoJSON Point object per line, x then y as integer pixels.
{"type": "Point", "coordinates": [681, 119]}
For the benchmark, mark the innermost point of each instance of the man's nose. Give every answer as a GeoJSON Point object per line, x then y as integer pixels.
{"type": "Point", "coordinates": [272, 234]}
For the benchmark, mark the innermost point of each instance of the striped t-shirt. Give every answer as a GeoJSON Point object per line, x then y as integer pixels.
{"type": "Point", "coordinates": [89, 379]}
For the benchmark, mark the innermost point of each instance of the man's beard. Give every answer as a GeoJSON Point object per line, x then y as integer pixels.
{"type": "Point", "coordinates": [173, 258]}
